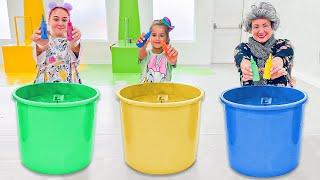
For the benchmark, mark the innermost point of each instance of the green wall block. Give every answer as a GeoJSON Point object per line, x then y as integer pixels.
{"type": "Point", "coordinates": [129, 22]}
{"type": "Point", "coordinates": [125, 52]}
{"type": "Point", "coordinates": [125, 58]}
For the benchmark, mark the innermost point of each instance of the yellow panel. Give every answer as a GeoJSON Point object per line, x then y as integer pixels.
{"type": "Point", "coordinates": [34, 9]}
{"type": "Point", "coordinates": [19, 78]}
{"type": "Point", "coordinates": [18, 59]}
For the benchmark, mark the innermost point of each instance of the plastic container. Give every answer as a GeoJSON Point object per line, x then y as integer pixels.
{"type": "Point", "coordinates": [56, 126]}
{"type": "Point", "coordinates": [146, 37]}
{"type": "Point", "coordinates": [160, 125]}
{"type": "Point", "coordinates": [263, 125]}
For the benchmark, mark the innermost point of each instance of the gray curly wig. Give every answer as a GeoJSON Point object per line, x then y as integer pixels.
{"type": "Point", "coordinates": [263, 10]}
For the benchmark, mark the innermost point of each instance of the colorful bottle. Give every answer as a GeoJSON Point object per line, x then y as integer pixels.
{"type": "Point", "coordinates": [146, 37]}
{"type": "Point", "coordinates": [267, 68]}
{"type": "Point", "coordinates": [164, 46]}
{"type": "Point", "coordinates": [166, 49]}
{"type": "Point", "coordinates": [255, 70]}
{"type": "Point", "coordinates": [69, 31]}
{"type": "Point", "coordinates": [43, 28]}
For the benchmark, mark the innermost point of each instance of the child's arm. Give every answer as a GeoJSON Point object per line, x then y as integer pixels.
{"type": "Point", "coordinates": [142, 52]}
{"type": "Point", "coordinates": [75, 43]}
{"type": "Point", "coordinates": [172, 54]}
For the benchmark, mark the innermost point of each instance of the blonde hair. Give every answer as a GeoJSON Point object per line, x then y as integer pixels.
{"type": "Point", "coordinates": [166, 29]}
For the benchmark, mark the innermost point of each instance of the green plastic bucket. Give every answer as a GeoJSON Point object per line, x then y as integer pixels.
{"type": "Point", "coordinates": [56, 126]}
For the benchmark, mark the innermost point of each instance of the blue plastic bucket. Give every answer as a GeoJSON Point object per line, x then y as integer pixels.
{"type": "Point", "coordinates": [263, 125]}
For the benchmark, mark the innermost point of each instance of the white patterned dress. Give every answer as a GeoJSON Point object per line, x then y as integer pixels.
{"type": "Point", "coordinates": [58, 63]}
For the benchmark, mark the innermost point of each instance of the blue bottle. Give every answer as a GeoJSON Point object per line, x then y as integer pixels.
{"type": "Point", "coordinates": [146, 37]}
{"type": "Point", "coordinates": [43, 28]}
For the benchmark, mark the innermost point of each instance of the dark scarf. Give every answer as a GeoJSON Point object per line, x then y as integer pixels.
{"type": "Point", "coordinates": [261, 51]}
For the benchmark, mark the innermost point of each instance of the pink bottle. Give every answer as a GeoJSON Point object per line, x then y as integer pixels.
{"type": "Point", "coordinates": [69, 31]}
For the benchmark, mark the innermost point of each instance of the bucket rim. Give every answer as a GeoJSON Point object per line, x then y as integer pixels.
{"type": "Point", "coordinates": [269, 107]}
{"type": "Point", "coordinates": [166, 104]}
{"type": "Point", "coordinates": [47, 104]}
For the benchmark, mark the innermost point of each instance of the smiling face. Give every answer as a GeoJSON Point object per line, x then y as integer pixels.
{"type": "Point", "coordinates": [58, 22]}
{"type": "Point", "coordinates": [158, 34]}
{"type": "Point", "coordinates": [261, 30]}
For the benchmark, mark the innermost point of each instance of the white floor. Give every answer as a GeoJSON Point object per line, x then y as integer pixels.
{"type": "Point", "coordinates": [211, 161]}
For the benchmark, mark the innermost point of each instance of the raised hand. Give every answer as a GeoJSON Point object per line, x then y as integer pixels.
{"type": "Point", "coordinates": [277, 69]}
{"type": "Point", "coordinates": [245, 67]}
{"type": "Point", "coordinates": [141, 39]}
{"type": "Point", "coordinates": [172, 54]}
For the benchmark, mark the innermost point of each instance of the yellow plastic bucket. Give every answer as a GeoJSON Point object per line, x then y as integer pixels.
{"type": "Point", "coordinates": [160, 126]}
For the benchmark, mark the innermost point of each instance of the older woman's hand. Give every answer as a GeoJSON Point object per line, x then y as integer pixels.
{"type": "Point", "coordinates": [245, 67]}
{"type": "Point", "coordinates": [277, 69]}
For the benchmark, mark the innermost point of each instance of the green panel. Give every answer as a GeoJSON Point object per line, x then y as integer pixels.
{"type": "Point", "coordinates": [128, 78]}
{"type": "Point", "coordinates": [125, 58]}
{"type": "Point", "coordinates": [129, 10]}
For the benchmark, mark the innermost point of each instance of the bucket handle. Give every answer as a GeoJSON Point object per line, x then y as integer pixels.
{"type": "Point", "coordinates": [266, 100]}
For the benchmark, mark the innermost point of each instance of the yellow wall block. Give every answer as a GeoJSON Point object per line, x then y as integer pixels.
{"type": "Point", "coordinates": [35, 10]}
{"type": "Point", "coordinates": [18, 59]}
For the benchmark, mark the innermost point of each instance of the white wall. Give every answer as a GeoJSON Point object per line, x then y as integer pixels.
{"type": "Point", "coordinates": [227, 16]}
{"type": "Point", "coordinates": [198, 51]}
{"type": "Point", "coordinates": [299, 23]}
{"type": "Point", "coordinates": [303, 29]}
{"type": "Point", "coordinates": [13, 10]}
{"type": "Point", "coordinates": [191, 52]}
{"type": "Point", "coordinates": [94, 52]}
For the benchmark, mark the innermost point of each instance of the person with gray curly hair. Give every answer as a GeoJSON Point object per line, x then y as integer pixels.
{"type": "Point", "coordinates": [261, 22]}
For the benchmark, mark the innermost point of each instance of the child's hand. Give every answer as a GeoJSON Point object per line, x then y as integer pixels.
{"type": "Point", "coordinates": [172, 54]}
{"type": "Point", "coordinates": [277, 69]}
{"type": "Point", "coordinates": [141, 39]}
{"type": "Point", "coordinates": [76, 35]}
{"type": "Point", "coordinates": [36, 37]}
{"type": "Point", "coordinates": [245, 67]}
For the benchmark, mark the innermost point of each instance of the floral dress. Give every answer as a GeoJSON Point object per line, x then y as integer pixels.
{"type": "Point", "coordinates": [281, 48]}
{"type": "Point", "coordinates": [58, 63]}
